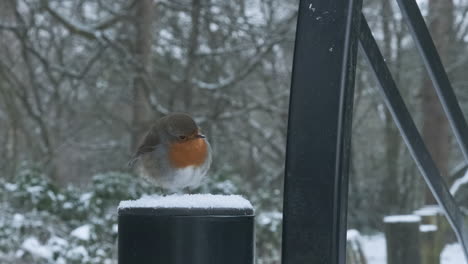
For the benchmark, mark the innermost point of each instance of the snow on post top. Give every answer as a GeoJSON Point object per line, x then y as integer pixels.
{"type": "Point", "coordinates": [402, 219]}
{"type": "Point", "coordinates": [428, 210]}
{"type": "Point", "coordinates": [188, 201]}
{"type": "Point", "coordinates": [427, 228]}
{"type": "Point", "coordinates": [190, 204]}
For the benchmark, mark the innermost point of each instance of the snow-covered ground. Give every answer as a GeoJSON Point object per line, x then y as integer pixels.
{"type": "Point", "coordinates": [375, 251]}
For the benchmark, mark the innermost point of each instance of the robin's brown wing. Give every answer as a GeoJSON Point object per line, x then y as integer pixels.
{"type": "Point", "coordinates": [149, 143]}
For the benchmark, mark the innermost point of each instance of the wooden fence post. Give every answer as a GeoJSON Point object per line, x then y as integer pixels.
{"type": "Point", "coordinates": [402, 235]}
{"type": "Point", "coordinates": [433, 230]}
{"type": "Point", "coordinates": [430, 253]}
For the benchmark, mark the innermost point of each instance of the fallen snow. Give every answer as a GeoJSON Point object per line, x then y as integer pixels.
{"type": "Point", "coordinates": [452, 254]}
{"type": "Point", "coordinates": [269, 217]}
{"type": "Point", "coordinates": [35, 248]}
{"type": "Point", "coordinates": [353, 234]}
{"type": "Point", "coordinates": [57, 243]}
{"type": "Point", "coordinates": [402, 219]}
{"type": "Point", "coordinates": [353, 238]}
{"type": "Point", "coordinates": [86, 197]}
{"type": "Point", "coordinates": [188, 201]}
{"type": "Point", "coordinates": [374, 248]}
{"type": "Point", "coordinates": [78, 253]}
{"type": "Point", "coordinates": [18, 220]}
{"type": "Point", "coordinates": [458, 183]}
{"type": "Point", "coordinates": [11, 187]}
{"type": "Point", "coordinates": [35, 189]}
{"type": "Point", "coordinates": [83, 232]}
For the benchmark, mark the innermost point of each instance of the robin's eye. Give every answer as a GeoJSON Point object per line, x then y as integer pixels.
{"type": "Point", "coordinates": [182, 137]}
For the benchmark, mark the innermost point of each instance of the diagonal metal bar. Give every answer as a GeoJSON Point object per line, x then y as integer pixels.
{"type": "Point", "coordinates": [413, 17]}
{"type": "Point", "coordinates": [410, 134]}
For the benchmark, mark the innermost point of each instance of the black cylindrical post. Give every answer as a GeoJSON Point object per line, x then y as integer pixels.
{"type": "Point", "coordinates": [186, 229]}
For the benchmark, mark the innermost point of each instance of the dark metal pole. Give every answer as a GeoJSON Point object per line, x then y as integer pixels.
{"type": "Point", "coordinates": [411, 136]}
{"type": "Point", "coordinates": [181, 236]}
{"type": "Point", "coordinates": [434, 66]}
{"type": "Point", "coordinates": [319, 129]}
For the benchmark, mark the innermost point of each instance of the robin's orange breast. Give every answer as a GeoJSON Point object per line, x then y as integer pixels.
{"type": "Point", "coordinates": [189, 153]}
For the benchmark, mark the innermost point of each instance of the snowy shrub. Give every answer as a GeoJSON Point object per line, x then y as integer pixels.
{"type": "Point", "coordinates": [115, 185]}
{"type": "Point", "coordinates": [268, 236]}
{"type": "Point", "coordinates": [33, 190]}
{"type": "Point", "coordinates": [46, 224]}
{"type": "Point", "coordinates": [220, 183]}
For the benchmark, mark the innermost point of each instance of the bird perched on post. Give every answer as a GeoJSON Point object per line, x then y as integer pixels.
{"type": "Point", "coordinates": [174, 154]}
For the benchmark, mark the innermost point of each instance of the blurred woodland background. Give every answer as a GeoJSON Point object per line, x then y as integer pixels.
{"type": "Point", "coordinates": [81, 80]}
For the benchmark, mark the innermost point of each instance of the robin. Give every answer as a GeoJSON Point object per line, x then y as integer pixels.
{"type": "Point", "coordinates": [174, 154]}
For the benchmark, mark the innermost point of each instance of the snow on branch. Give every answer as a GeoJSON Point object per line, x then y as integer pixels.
{"type": "Point", "coordinates": [73, 27]}
{"type": "Point", "coordinates": [459, 183]}
{"type": "Point", "coordinates": [251, 66]}
{"type": "Point", "coordinates": [239, 77]}
{"type": "Point", "coordinates": [89, 32]}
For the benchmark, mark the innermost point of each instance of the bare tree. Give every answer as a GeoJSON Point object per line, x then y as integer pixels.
{"type": "Point", "coordinates": [435, 129]}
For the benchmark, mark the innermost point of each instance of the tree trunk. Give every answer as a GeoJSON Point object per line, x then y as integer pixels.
{"type": "Point", "coordinates": [191, 56]}
{"type": "Point", "coordinates": [142, 114]}
{"type": "Point", "coordinates": [390, 188]}
{"type": "Point", "coordinates": [435, 129]}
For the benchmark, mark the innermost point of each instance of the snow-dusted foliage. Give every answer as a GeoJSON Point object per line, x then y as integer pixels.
{"type": "Point", "coordinates": [41, 223]}
{"type": "Point", "coordinates": [44, 224]}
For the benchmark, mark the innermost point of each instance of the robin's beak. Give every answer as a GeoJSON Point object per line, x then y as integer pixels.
{"type": "Point", "coordinates": [200, 136]}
